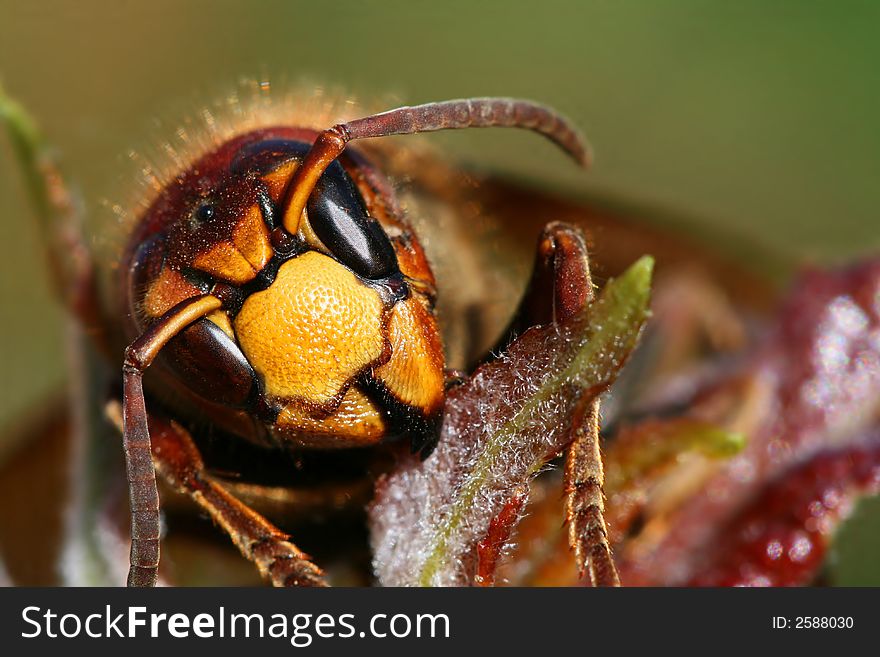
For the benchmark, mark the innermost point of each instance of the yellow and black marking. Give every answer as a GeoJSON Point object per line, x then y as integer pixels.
{"type": "Point", "coordinates": [321, 336]}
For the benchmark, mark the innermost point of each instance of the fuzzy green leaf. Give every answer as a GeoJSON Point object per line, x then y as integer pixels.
{"type": "Point", "coordinates": [500, 428]}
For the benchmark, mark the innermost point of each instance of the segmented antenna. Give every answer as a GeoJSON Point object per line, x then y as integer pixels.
{"type": "Point", "coordinates": [446, 115]}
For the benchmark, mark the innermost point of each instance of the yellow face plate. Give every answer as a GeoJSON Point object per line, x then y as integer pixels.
{"type": "Point", "coordinates": [415, 372]}
{"type": "Point", "coordinates": [312, 331]}
{"type": "Point", "coordinates": [357, 421]}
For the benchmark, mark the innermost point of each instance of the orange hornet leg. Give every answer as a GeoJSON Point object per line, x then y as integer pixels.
{"type": "Point", "coordinates": [560, 291]}
{"type": "Point", "coordinates": [178, 461]}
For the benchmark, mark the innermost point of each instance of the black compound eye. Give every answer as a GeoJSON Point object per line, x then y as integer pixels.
{"type": "Point", "coordinates": [204, 212]}
{"type": "Point", "coordinates": [339, 219]}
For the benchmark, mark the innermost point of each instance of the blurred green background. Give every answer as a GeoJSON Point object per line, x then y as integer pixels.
{"type": "Point", "coordinates": [757, 117]}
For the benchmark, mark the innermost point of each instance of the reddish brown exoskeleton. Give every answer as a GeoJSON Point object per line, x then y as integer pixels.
{"type": "Point", "coordinates": [295, 283]}
{"type": "Point", "coordinates": [280, 294]}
